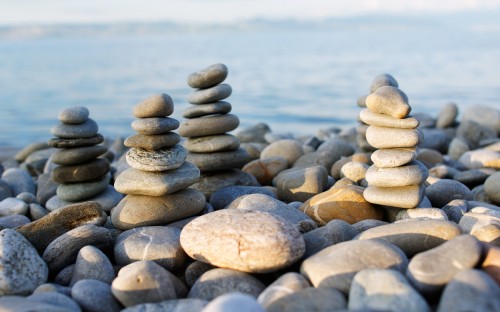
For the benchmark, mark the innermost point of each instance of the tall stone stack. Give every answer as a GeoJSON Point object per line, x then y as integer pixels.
{"type": "Point", "coordinates": [156, 184]}
{"type": "Point", "coordinates": [395, 179]}
{"type": "Point", "coordinates": [81, 173]}
{"type": "Point", "coordinates": [378, 81]}
{"type": "Point", "coordinates": [210, 147]}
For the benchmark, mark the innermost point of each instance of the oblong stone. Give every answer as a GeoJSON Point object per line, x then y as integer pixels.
{"type": "Point", "coordinates": [430, 271]}
{"type": "Point", "coordinates": [410, 174]}
{"type": "Point", "coordinates": [219, 160]}
{"type": "Point", "coordinates": [381, 137]}
{"type": "Point", "coordinates": [400, 196]}
{"type": "Point", "coordinates": [209, 125]}
{"type": "Point", "coordinates": [79, 155]}
{"type": "Point", "coordinates": [74, 115]}
{"type": "Point", "coordinates": [141, 210]}
{"type": "Point", "coordinates": [220, 107]}
{"type": "Point", "coordinates": [212, 143]}
{"type": "Point", "coordinates": [394, 157]}
{"type": "Point", "coordinates": [79, 191]}
{"type": "Point", "coordinates": [154, 125]}
{"type": "Point", "coordinates": [159, 105]}
{"type": "Point", "coordinates": [336, 266]}
{"type": "Point", "coordinates": [87, 129]}
{"type": "Point", "coordinates": [208, 77]}
{"type": "Point", "coordinates": [156, 160]}
{"type": "Point", "coordinates": [138, 182]}
{"type": "Point", "coordinates": [248, 241]}
{"type": "Point", "coordinates": [213, 94]}
{"type": "Point", "coordinates": [390, 101]}
{"type": "Point", "coordinates": [78, 142]}
{"type": "Point", "coordinates": [154, 141]}
{"type": "Point", "coordinates": [414, 236]}
{"type": "Point", "coordinates": [82, 172]}
{"type": "Point", "coordinates": [381, 120]}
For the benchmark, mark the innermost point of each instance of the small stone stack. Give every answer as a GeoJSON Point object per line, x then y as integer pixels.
{"type": "Point", "coordinates": [395, 179]}
{"type": "Point", "coordinates": [379, 81]}
{"type": "Point", "coordinates": [210, 147]}
{"type": "Point", "coordinates": [81, 173]}
{"type": "Point", "coordinates": [159, 175]}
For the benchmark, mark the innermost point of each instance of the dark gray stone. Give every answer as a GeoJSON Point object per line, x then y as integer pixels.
{"type": "Point", "coordinates": [85, 130]}
{"type": "Point", "coordinates": [91, 263]}
{"type": "Point", "coordinates": [19, 181]}
{"type": "Point", "coordinates": [95, 296]}
{"type": "Point", "coordinates": [446, 190]}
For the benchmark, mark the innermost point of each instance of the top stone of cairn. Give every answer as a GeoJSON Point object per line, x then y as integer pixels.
{"type": "Point", "coordinates": [160, 105]}
{"type": "Point", "coordinates": [390, 101]}
{"type": "Point", "coordinates": [208, 77]}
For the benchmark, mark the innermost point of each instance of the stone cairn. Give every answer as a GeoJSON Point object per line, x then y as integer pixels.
{"type": "Point", "coordinates": [379, 81]}
{"type": "Point", "coordinates": [156, 182]}
{"type": "Point", "coordinates": [210, 147]}
{"type": "Point", "coordinates": [395, 179]}
{"type": "Point", "coordinates": [81, 173]}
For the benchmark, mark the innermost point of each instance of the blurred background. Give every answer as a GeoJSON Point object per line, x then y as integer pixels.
{"type": "Point", "coordinates": [298, 66]}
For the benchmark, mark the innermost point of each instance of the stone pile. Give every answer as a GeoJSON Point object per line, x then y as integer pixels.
{"type": "Point", "coordinates": [395, 179]}
{"type": "Point", "coordinates": [379, 81]}
{"type": "Point", "coordinates": [210, 147]}
{"type": "Point", "coordinates": [156, 182]}
{"type": "Point", "coordinates": [81, 173]}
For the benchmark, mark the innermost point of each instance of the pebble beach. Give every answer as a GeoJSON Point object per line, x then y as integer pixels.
{"type": "Point", "coordinates": [400, 212]}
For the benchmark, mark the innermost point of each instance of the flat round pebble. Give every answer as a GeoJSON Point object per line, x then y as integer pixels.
{"type": "Point", "coordinates": [212, 143]}
{"type": "Point", "coordinates": [209, 125]}
{"type": "Point", "coordinates": [94, 296]}
{"type": "Point", "coordinates": [85, 130]}
{"type": "Point", "coordinates": [14, 221]}
{"type": "Point", "coordinates": [74, 156]}
{"type": "Point", "coordinates": [336, 266]}
{"type": "Point", "coordinates": [74, 115]}
{"type": "Point", "coordinates": [83, 190]}
{"type": "Point", "coordinates": [226, 195]}
{"type": "Point", "coordinates": [156, 160]}
{"type": "Point", "coordinates": [160, 244]}
{"type": "Point", "coordinates": [195, 111]}
{"type": "Point", "coordinates": [265, 170]}
{"type": "Point", "coordinates": [159, 105]}
{"type": "Point", "coordinates": [77, 142]}
{"type": "Point", "coordinates": [390, 101]}
{"type": "Point", "coordinates": [175, 305]}
{"type": "Point", "coordinates": [269, 242]}
{"type": "Point", "coordinates": [153, 142]}
{"type": "Point", "coordinates": [374, 119]}
{"type": "Point", "coordinates": [381, 137]}
{"type": "Point", "coordinates": [410, 174]}
{"type": "Point", "coordinates": [154, 125]}
{"type": "Point", "coordinates": [82, 172]}
{"type": "Point", "coordinates": [400, 196]}
{"type": "Point", "coordinates": [212, 94]}
{"type": "Point", "coordinates": [394, 157]}
{"type": "Point", "coordinates": [208, 77]}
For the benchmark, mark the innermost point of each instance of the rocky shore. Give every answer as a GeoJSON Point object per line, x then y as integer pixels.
{"type": "Point", "coordinates": [401, 213]}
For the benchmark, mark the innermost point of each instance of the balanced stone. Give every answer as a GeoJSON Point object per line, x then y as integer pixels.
{"type": "Point", "coordinates": [220, 107]}
{"type": "Point", "coordinates": [219, 160]}
{"type": "Point", "coordinates": [74, 115]}
{"type": "Point", "coordinates": [410, 174]}
{"type": "Point", "coordinates": [212, 143]}
{"type": "Point", "coordinates": [153, 142]}
{"type": "Point", "coordinates": [138, 182]}
{"type": "Point", "coordinates": [208, 77]}
{"type": "Point", "coordinates": [381, 137]}
{"type": "Point", "coordinates": [414, 236]}
{"type": "Point", "coordinates": [209, 125]}
{"type": "Point", "coordinates": [383, 80]}
{"type": "Point", "coordinates": [336, 266]}
{"type": "Point", "coordinates": [79, 155]}
{"type": "Point", "coordinates": [139, 210]}
{"type": "Point", "coordinates": [79, 191]}
{"type": "Point", "coordinates": [400, 197]}
{"type": "Point", "coordinates": [87, 129]}
{"type": "Point", "coordinates": [156, 160]}
{"type": "Point", "coordinates": [390, 101]}
{"type": "Point", "coordinates": [77, 142]}
{"type": "Point", "coordinates": [249, 241]}
{"type": "Point", "coordinates": [213, 94]}
{"type": "Point", "coordinates": [160, 105]}
{"type": "Point", "coordinates": [374, 119]}
{"type": "Point", "coordinates": [154, 125]}
{"type": "Point", "coordinates": [82, 172]}
{"type": "Point", "coordinates": [160, 244]}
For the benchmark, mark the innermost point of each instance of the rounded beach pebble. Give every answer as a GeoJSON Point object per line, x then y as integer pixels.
{"type": "Point", "coordinates": [85, 130]}
{"type": "Point", "coordinates": [248, 241]}
{"type": "Point", "coordinates": [74, 115]}
{"type": "Point", "coordinates": [208, 77]}
{"type": "Point", "coordinates": [213, 94]}
{"type": "Point", "coordinates": [390, 101]}
{"type": "Point", "coordinates": [156, 160]}
{"type": "Point", "coordinates": [160, 105]}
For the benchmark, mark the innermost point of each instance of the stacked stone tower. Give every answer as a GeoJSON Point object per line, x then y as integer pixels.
{"type": "Point", "coordinates": [157, 180]}
{"type": "Point", "coordinates": [210, 147]}
{"type": "Point", "coordinates": [395, 179]}
{"type": "Point", "coordinates": [81, 173]}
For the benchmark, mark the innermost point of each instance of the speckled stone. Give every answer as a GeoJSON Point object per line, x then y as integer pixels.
{"type": "Point", "coordinates": [209, 125]}
{"type": "Point", "coordinates": [87, 129]}
{"type": "Point", "coordinates": [156, 160]}
{"type": "Point", "coordinates": [390, 101]}
{"type": "Point", "coordinates": [208, 77]}
{"type": "Point", "coordinates": [209, 95]}
{"type": "Point", "coordinates": [269, 242]}
{"type": "Point", "coordinates": [74, 115]}
{"type": "Point", "coordinates": [153, 142]}
{"type": "Point", "coordinates": [381, 137]}
{"type": "Point", "coordinates": [195, 111]}
{"type": "Point", "coordinates": [159, 105]}
{"type": "Point", "coordinates": [154, 125]}
{"type": "Point", "coordinates": [174, 305]}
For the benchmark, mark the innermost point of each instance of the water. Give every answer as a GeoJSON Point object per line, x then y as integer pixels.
{"type": "Point", "coordinates": [295, 80]}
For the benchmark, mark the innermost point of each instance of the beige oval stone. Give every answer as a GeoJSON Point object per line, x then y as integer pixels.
{"type": "Point", "coordinates": [381, 120]}
{"type": "Point", "coordinates": [264, 170]}
{"type": "Point", "coordinates": [410, 174]}
{"type": "Point", "coordinates": [381, 137]}
{"type": "Point", "coordinates": [248, 241]}
{"type": "Point", "coordinates": [390, 101]}
{"type": "Point", "coordinates": [209, 125]}
{"type": "Point", "coordinates": [344, 202]}
{"type": "Point", "coordinates": [394, 157]}
{"type": "Point", "coordinates": [399, 197]}
{"type": "Point", "coordinates": [159, 105]}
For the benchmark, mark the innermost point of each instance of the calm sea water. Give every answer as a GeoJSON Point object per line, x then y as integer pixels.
{"type": "Point", "coordinates": [296, 81]}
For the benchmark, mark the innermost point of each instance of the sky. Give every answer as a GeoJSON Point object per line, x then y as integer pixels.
{"type": "Point", "coordinates": [15, 12]}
